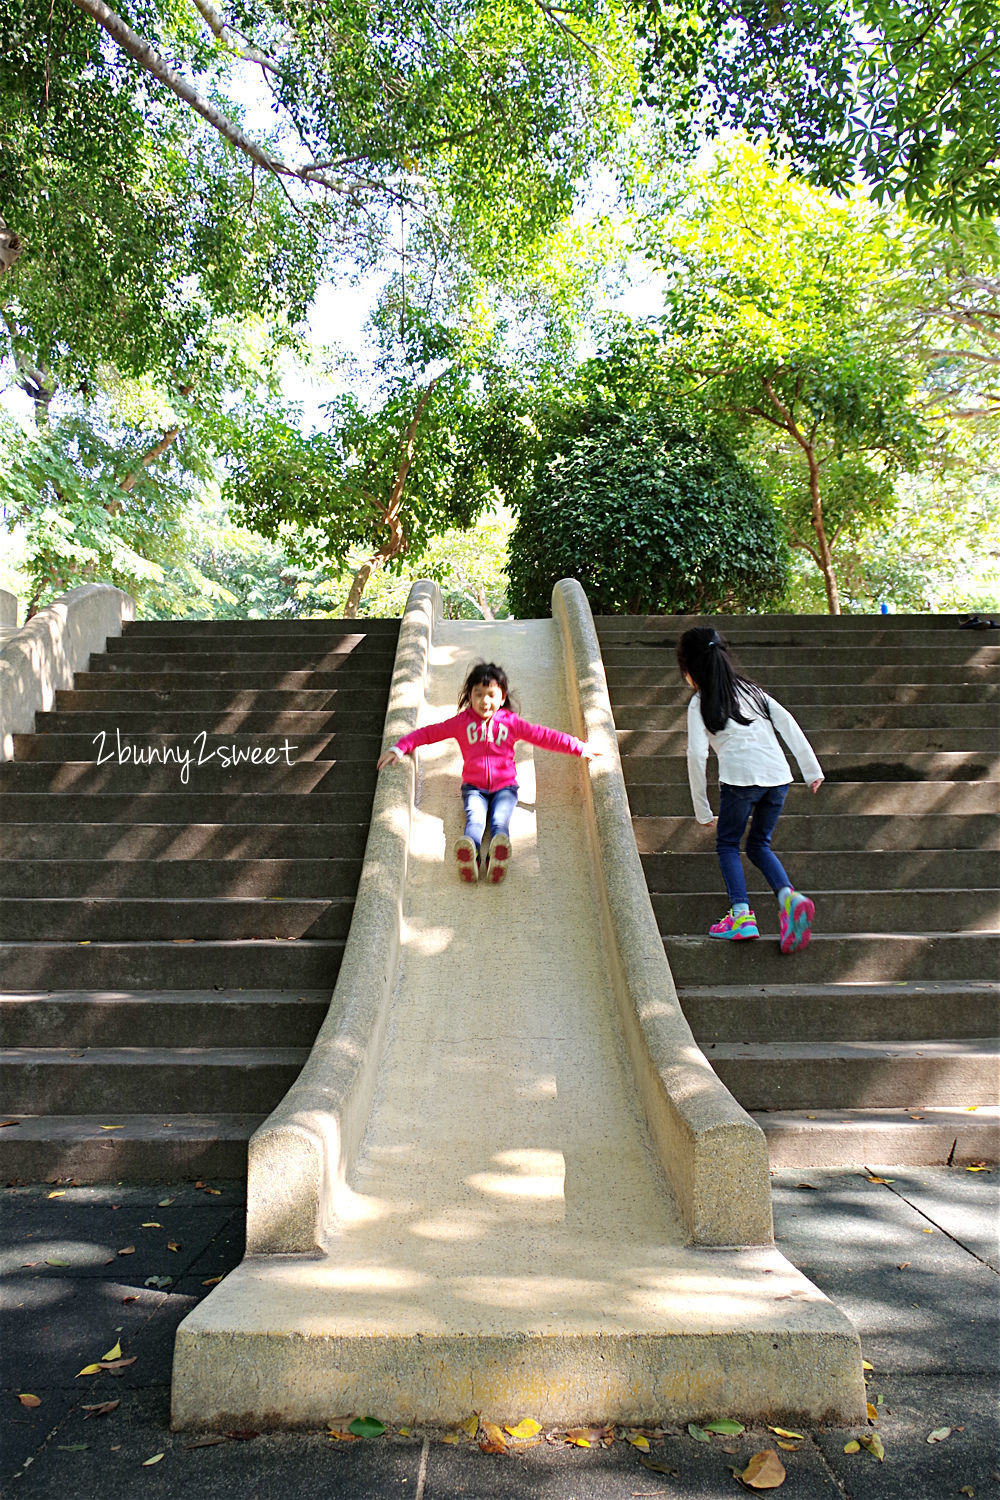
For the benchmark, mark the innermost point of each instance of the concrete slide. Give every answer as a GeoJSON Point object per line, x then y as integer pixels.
{"type": "Point", "coordinates": [507, 1180]}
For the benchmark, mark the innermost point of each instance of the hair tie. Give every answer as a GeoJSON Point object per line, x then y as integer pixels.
{"type": "Point", "coordinates": [711, 643]}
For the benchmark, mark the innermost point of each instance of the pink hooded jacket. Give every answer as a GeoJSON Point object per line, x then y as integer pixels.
{"type": "Point", "coordinates": [487, 745]}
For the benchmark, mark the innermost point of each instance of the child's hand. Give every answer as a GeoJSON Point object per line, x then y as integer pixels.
{"type": "Point", "coordinates": [387, 760]}
{"type": "Point", "coordinates": [591, 752]}
{"type": "Point", "coordinates": [814, 786]}
{"type": "Point", "coordinates": [710, 824]}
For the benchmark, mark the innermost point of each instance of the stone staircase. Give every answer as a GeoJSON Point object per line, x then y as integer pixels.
{"type": "Point", "coordinates": [169, 939]}
{"type": "Point", "coordinates": [878, 1043]}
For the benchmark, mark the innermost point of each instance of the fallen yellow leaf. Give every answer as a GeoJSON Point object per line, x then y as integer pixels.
{"type": "Point", "coordinates": [765, 1471]}
{"type": "Point", "coordinates": [872, 1413]}
{"type": "Point", "coordinates": [526, 1428]}
{"type": "Point", "coordinates": [788, 1447]}
{"type": "Point", "coordinates": [212, 1281]}
{"type": "Point", "coordinates": [785, 1433]}
{"type": "Point", "coordinates": [59, 1193]}
{"type": "Point", "coordinates": [873, 1443]}
{"type": "Point", "coordinates": [853, 1446]}
{"type": "Point", "coordinates": [88, 1370]}
{"type": "Point", "coordinates": [471, 1424]}
{"type": "Point", "coordinates": [26, 1399]}
{"type": "Point", "coordinates": [452, 1437]}
{"type": "Point", "coordinates": [491, 1439]}
{"type": "Point", "coordinates": [341, 1436]}
{"type": "Point", "coordinates": [866, 1366]}
{"type": "Point", "coordinates": [638, 1441]}
{"type": "Point", "coordinates": [152, 1224]}
{"type": "Point", "coordinates": [115, 1353]}
{"type": "Point", "coordinates": [154, 1460]}
{"type": "Point", "coordinates": [112, 1127]}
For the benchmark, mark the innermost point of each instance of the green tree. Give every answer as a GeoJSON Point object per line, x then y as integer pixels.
{"type": "Point", "coordinates": [900, 93]}
{"type": "Point", "coordinates": [776, 309]}
{"type": "Point", "coordinates": [637, 498]}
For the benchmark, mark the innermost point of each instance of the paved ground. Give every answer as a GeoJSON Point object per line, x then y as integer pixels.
{"type": "Point", "coordinates": [913, 1261]}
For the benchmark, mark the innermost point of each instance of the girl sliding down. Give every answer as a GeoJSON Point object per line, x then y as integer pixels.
{"type": "Point", "coordinates": [487, 730]}
{"type": "Point", "coordinates": [737, 719]}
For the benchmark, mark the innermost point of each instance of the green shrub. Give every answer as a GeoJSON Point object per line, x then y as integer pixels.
{"type": "Point", "coordinates": [651, 517]}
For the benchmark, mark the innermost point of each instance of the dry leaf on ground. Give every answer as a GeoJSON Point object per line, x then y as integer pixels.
{"type": "Point", "coordinates": [27, 1399]}
{"type": "Point", "coordinates": [765, 1471]}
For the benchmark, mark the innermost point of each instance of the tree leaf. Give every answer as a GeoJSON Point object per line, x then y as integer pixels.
{"type": "Point", "coordinates": [491, 1438]}
{"type": "Point", "coordinates": [526, 1428]}
{"type": "Point", "coordinates": [765, 1471]}
{"type": "Point", "coordinates": [366, 1427]}
{"type": "Point", "coordinates": [939, 1434]}
{"type": "Point", "coordinates": [88, 1370]}
{"type": "Point", "coordinates": [147, 1462]}
{"type": "Point", "coordinates": [115, 1353]}
{"type": "Point", "coordinates": [26, 1399]}
{"type": "Point", "coordinates": [727, 1426]}
{"type": "Point", "coordinates": [101, 1409]}
{"type": "Point", "coordinates": [698, 1433]}
{"type": "Point", "coordinates": [853, 1446]}
{"type": "Point", "coordinates": [786, 1433]}
{"type": "Point", "coordinates": [873, 1443]}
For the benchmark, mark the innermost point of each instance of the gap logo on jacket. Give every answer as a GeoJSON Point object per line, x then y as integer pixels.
{"type": "Point", "coordinates": [487, 745]}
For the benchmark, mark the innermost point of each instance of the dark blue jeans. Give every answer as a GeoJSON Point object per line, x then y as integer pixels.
{"type": "Point", "coordinates": [496, 807]}
{"type": "Point", "coordinates": [761, 806]}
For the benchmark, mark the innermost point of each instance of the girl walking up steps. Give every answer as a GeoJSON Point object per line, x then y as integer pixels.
{"type": "Point", "coordinates": [737, 719]}
{"type": "Point", "coordinates": [487, 729]}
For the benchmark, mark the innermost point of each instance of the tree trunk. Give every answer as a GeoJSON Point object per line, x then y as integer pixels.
{"type": "Point", "coordinates": [824, 556]}
{"type": "Point", "coordinates": [10, 247]}
{"type": "Point", "coordinates": [396, 541]}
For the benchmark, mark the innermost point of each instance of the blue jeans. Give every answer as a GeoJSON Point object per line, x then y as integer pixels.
{"type": "Point", "coordinates": [761, 805]}
{"type": "Point", "coordinates": [497, 807]}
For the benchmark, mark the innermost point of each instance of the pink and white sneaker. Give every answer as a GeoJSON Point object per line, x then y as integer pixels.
{"type": "Point", "coordinates": [743, 926]}
{"type": "Point", "coordinates": [497, 858]}
{"type": "Point", "coordinates": [467, 859]}
{"type": "Point", "coordinates": [795, 918]}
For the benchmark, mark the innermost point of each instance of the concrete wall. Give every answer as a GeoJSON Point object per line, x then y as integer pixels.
{"type": "Point", "coordinates": [43, 656]}
{"type": "Point", "coordinates": [8, 608]}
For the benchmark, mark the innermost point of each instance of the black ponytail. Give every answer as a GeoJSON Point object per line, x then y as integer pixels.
{"type": "Point", "coordinates": [702, 655]}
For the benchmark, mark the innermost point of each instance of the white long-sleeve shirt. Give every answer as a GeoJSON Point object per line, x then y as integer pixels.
{"type": "Point", "coordinates": [749, 754]}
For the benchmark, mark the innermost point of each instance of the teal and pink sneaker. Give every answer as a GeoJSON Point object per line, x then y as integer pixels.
{"type": "Point", "coordinates": [795, 917]}
{"type": "Point", "coordinates": [743, 926]}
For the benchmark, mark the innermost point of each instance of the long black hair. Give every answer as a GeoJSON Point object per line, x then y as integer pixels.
{"type": "Point", "coordinates": [481, 674]}
{"type": "Point", "coordinates": [702, 654]}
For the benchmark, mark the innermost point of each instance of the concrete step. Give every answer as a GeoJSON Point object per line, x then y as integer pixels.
{"type": "Point", "coordinates": [122, 701]}
{"type": "Point", "coordinates": [203, 1018]}
{"type": "Point", "coordinates": [146, 1148]}
{"type": "Point", "coordinates": [730, 626]}
{"type": "Point", "coordinates": [190, 876]}
{"type": "Point", "coordinates": [867, 830]}
{"type": "Point", "coordinates": [833, 957]}
{"type": "Point", "coordinates": [276, 641]}
{"type": "Point", "coordinates": [176, 767]}
{"type": "Point", "coordinates": [188, 840]}
{"type": "Point", "coordinates": [143, 723]}
{"type": "Point", "coordinates": [112, 745]}
{"type": "Point", "coordinates": [849, 799]}
{"type": "Point", "coordinates": [374, 625]}
{"type": "Point", "coordinates": [272, 963]}
{"type": "Point", "coordinates": [136, 1079]}
{"type": "Point", "coordinates": [969, 754]}
{"type": "Point", "coordinates": [131, 919]}
{"type": "Point", "coordinates": [967, 649]}
{"type": "Point", "coordinates": [917, 911]}
{"type": "Point", "coordinates": [232, 680]}
{"type": "Point", "coordinates": [856, 1074]}
{"type": "Point", "coordinates": [827, 718]}
{"type": "Point", "coordinates": [860, 870]}
{"type": "Point", "coordinates": [234, 659]}
{"type": "Point", "coordinates": [804, 696]}
{"type": "Point", "coordinates": [899, 1010]}
{"type": "Point", "coordinates": [184, 808]}
{"type": "Point", "coordinates": [623, 680]}
{"type": "Point", "coordinates": [879, 1138]}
